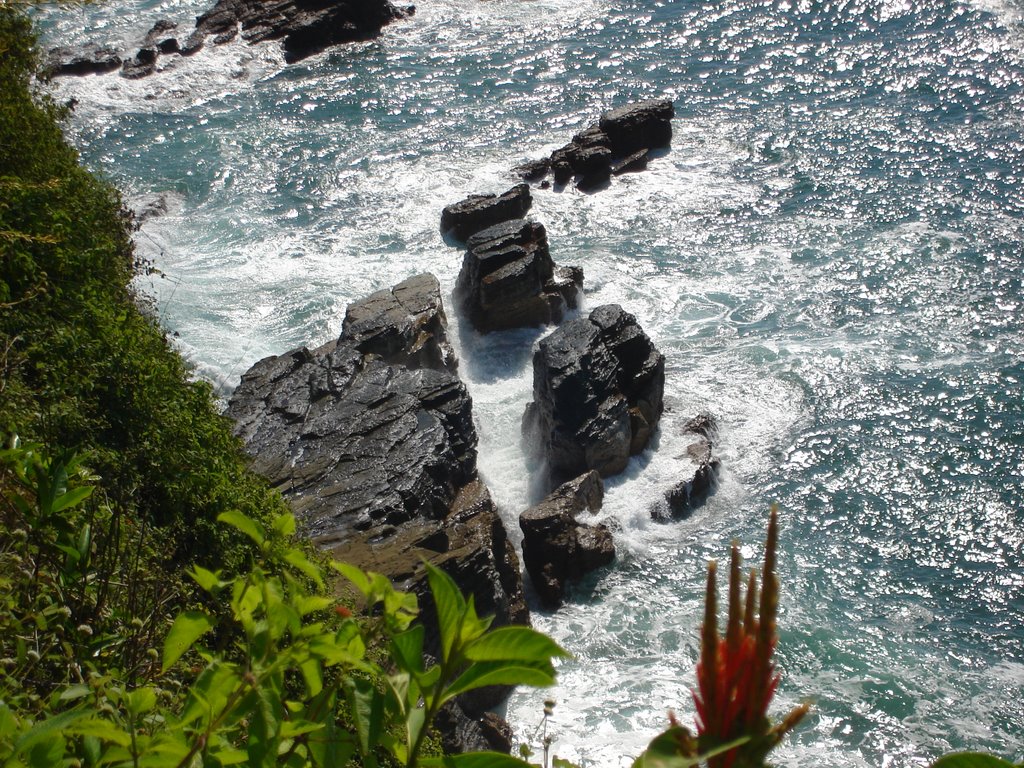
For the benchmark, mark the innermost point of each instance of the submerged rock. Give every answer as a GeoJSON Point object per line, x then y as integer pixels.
{"type": "Point", "coordinates": [557, 548]}
{"type": "Point", "coordinates": [371, 441]}
{"type": "Point", "coordinates": [478, 212]}
{"type": "Point", "coordinates": [508, 279]}
{"type": "Point", "coordinates": [598, 386]}
{"type": "Point", "coordinates": [698, 471]}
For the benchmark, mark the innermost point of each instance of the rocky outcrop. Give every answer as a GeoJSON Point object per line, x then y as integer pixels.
{"type": "Point", "coordinates": [477, 212]}
{"type": "Point", "coordinates": [598, 386]}
{"type": "Point", "coordinates": [557, 548]}
{"type": "Point", "coordinates": [373, 446]}
{"type": "Point", "coordinates": [698, 471]}
{"type": "Point", "coordinates": [305, 27]}
{"type": "Point", "coordinates": [618, 143]}
{"type": "Point", "coordinates": [404, 325]}
{"type": "Point", "coordinates": [508, 279]}
{"type": "Point", "coordinates": [87, 59]}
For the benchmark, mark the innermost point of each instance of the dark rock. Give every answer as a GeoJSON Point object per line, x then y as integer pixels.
{"type": "Point", "coordinates": [168, 46]}
{"type": "Point", "coordinates": [142, 65]}
{"type": "Point", "coordinates": [305, 26]}
{"type": "Point", "coordinates": [87, 59]}
{"type": "Point", "coordinates": [478, 212]}
{"type": "Point", "coordinates": [557, 548]}
{"type": "Point", "coordinates": [617, 144]}
{"type": "Point", "coordinates": [533, 170]}
{"type": "Point", "coordinates": [562, 171]}
{"type": "Point", "coordinates": [460, 732]}
{"type": "Point", "coordinates": [157, 34]}
{"type": "Point", "coordinates": [598, 385]}
{"type": "Point", "coordinates": [508, 279]}
{"type": "Point", "coordinates": [647, 125]}
{"type": "Point", "coordinates": [635, 162]}
{"type": "Point", "coordinates": [403, 325]}
{"type": "Point", "coordinates": [377, 458]}
{"type": "Point", "coordinates": [698, 470]}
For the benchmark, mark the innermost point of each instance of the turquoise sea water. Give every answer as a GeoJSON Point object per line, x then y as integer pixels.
{"type": "Point", "coordinates": [830, 257]}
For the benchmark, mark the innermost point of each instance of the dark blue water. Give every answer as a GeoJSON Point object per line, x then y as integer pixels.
{"type": "Point", "coordinates": [830, 257]}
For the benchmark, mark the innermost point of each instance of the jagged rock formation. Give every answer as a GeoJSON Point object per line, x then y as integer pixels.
{"type": "Point", "coordinates": [698, 471]}
{"type": "Point", "coordinates": [618, 143]}
{"type": "Point", "coordinates": [557, 548]}
{"type": "Point", "coordinates": [477, 212]}
{"type": "Point", "coordinates": [305, 27]}
{"type": "Point", "coordinates": [403, 325]}
{"type": "Point", "coordinates": [373, 445]}
{"type": "Point", "coordinates": [598, 386]}
{"type": "Point", "coordinates": [508, 279]}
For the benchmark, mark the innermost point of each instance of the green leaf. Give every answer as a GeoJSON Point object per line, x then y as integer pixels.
{"type": "Point", "coordinates": [514, 644]}
{"type": "Point", "coordinates": [73, 692]}
{"type": "Point", "coordinates": [246, 525]}
{"type": "Point", "coordinates": [187, 628]}
{"type": "Point", "coordinates": [100, 729]}
{"type": "Point", "coordinates": [310, 669]}
{"type": "Point", "coordinates": [407, 649]}
{"type": "Point", "coordinates": [971, 760]}
{"type": "Point", "coordinates": [476, 760]}
{"type": "Point", "coordinates": [663, 751]}
{"type": "Point", "coordinates": [367, 708]}
{"type": "Point", "coordinates": [358, 578]}
{"type": "Point", "coordinates": [72, 498]}
{"type": "Point", "coordinates": [284, 524]}
{"type": "Point", "coordinates": [48, 729]}
{"type": "Point", "coordinates": [297, 559]}
{"type": "Point", "coordinates": [207, 580]}
{"type": "Point", "coordinates": [483, 673]}
{"type": "Point", "coordinates": [558, 762]}
{"type": "Point", "coordinates": [450, 606]}
{"type": "Point", "coordinates": [140, 701]}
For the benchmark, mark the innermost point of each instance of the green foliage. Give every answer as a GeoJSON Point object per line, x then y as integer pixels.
{"type": "Point", "coordinates": [297, 687]}
{"type": "Point", "coordinates": [80, 364]}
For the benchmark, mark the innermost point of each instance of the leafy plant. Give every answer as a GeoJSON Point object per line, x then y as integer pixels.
{"type": "Point", "coordinates": [295, 686]}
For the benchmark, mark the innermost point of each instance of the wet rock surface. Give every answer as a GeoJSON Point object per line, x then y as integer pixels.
{"type": "Point", "coordinates": [373, 445]}
{"type": "Point", "coordinates": [557, 548]}
{"type": "Point", "coordinates": [87, 59]}
{"type": "Point", "coordinates": [478, 212]}
{"type": "Point", "coordinates": [698, 471]}
{"type": "Point", "coordinates": [620, 142]}
{"type": "Point", "coordinates": [508, 279]}
{"type": "Point", "coordinates": [404, 325]}
{"type": "Point", "coordinates": [305, 27]}
{"type": "Point", "coordinates": [598, 387]}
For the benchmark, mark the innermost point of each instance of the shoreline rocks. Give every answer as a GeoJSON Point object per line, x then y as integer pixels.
{"type": "Point", "coordinates": [371, 441]}
{"type": "Point", "coordinates": [305, 28]}
{"type": "Point", "coordinates": [598, 387]}
{"type": "Point", "coordinates": [477, 212]}
{"type": "Point", "coordinates": [620, 142]}
{"type": "Point", "coordinates": [508, 279]}
{"type": "Point", "coordinates": [557, 548]}
{"type": "Point", "coordinates": [699, 469]}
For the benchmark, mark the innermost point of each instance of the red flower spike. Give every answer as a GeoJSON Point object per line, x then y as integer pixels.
{"type": "Point", "coordinates": [736, 677]}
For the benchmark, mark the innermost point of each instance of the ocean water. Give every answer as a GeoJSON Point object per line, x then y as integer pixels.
{"type": "Point", "coordinates": [830, 257]}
